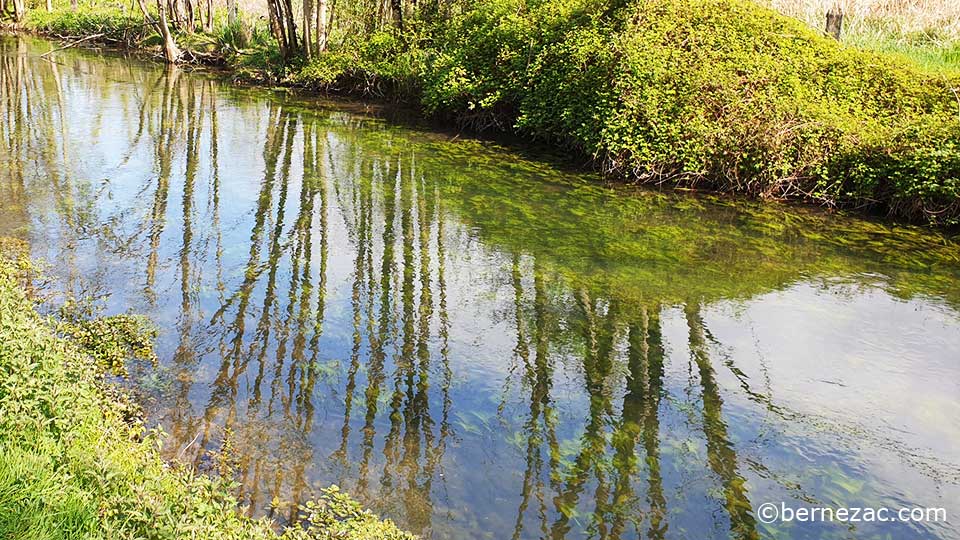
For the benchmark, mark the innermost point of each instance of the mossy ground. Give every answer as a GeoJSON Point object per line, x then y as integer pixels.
{"type": "Point", "coordinates": [75, 464]}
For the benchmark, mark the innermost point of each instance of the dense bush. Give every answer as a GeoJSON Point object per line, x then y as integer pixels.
{"type": "Point", "coordinates": [379, 65]}
{"type": "Point", "coordinates": [721, 94]}
{"type": "Point", "coordinates": [718, 94]}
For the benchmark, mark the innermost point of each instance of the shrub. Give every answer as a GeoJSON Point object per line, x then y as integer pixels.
{"type": "Point", "coordinates": [110, 23]}
{"type": "Point", "coordinates": [722, 94]}
{"type": "Point", "coordinates": [382, 65]}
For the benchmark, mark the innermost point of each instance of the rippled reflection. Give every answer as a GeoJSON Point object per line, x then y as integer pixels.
{"type": "Point", "coordinates": [476, 344]}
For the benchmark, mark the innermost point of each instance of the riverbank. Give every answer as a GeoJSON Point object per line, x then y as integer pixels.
{"type": "Point", "coordinates": [75, 462]}
{"type": "Point", "coordinates": [473, 341]}
{"type": "Point", "coordinates": [720, 95]}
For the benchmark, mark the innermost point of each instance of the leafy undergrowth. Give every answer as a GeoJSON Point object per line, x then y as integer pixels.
{"type": "Point", "coordinates": [93, 23]}
{"type": "Point", "coordinates": [73, 465]}
{"type": "Point", "coordinates": [96, 24]}
{"type": "Point", "coordinates": [382, 65]}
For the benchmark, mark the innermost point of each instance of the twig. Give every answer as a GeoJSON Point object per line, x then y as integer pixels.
{"type": "Point", "coordinates": [956, 95]}
{"type": "Point", "coordinates": [184, 449]}
{"type": "Point", "coordinates": [77, 42]}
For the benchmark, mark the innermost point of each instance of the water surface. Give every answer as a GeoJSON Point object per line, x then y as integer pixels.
{"type": "Point", "coordinates": [475, 343]}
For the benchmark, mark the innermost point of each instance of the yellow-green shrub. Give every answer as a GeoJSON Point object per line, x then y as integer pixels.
{"type": "Point", "coordinates": [722, 94]}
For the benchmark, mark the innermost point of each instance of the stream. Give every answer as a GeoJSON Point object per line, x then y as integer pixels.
{"type": "Point", "coordinates": [481, 342]}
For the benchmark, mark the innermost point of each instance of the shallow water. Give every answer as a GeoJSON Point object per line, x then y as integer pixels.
{"type": "Point", "coordinates": [475, 343]}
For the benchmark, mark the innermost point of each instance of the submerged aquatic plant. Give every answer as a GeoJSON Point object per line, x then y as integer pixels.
{"type": "Point", "coordinates": [109, 340]}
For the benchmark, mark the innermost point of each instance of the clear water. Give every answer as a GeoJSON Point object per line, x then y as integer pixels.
{"type": "Point", "coordinates": [477, 343]}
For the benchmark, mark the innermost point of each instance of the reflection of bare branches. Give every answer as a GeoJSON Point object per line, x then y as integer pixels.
{"type": "Point", "coordinates": [225, 386]}
{"type": "Point", "coordinates": [185, 356]}
{"type": "Point", "coordinates": [362, 274]}
{"type": "Point", "coordinates": [398, 315]}
{"type": "Point", "coordinates": [721, 455]}
{"type": "Point", "coordinates": [169, 122]}
{"type": "Point", "coordinates": [377, 341]}
{"type": "Point", "coordinates": [302, 374]}
{"type": "Point", "coordinates": [597, 365]}
{"type": "Point", "coordinates": [641, 410]}
{"type": "Point", "coordinates": [540, 424]}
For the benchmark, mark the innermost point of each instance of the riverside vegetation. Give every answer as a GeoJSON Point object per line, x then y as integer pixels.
{"type": "Point", "coordinates": [725, 95]}
{"type": "Point", "coordinates": [75, 462]}
{"type": "Point", "coordinates": [472, 342]}
{"type": "Point", "coordinates": [718, 94]}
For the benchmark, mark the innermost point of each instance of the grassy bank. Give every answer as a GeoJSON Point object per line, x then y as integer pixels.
{"type": "Point", "coordinates": [75, 463]}
{"type": "Point", "coordinates": [925, 32]}
{"type": "Point", "coordinates": [724, 95]}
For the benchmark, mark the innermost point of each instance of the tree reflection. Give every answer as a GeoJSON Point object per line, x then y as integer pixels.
{"type": "Point", "coordinates": [399, 308]}
{"type": "Point", "coordinates": [33, 135]}
{"type": "Point", "coordinates": [329, 299]}
{"type": "Point", "coordinates": [721, 455]}
{"type": "Point", "coordinates": [540, 425]}
{"type": "Point", "coordinates": [13, 139]}
{"type": "Point", "coordinates": [272, 375]}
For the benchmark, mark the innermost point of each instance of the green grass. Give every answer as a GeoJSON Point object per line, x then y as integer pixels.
{"type": "Point", "coordinates": [73, 465]}
{"type": "Point", "coordinates": [928, 55]}
{"type": "Point", "coordinates": [925, 33]}
{"type": "Point", "coordinates": [112, 23]}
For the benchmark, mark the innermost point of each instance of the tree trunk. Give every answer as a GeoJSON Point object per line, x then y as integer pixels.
{"type": "Point", "coordinates": [383, 7]}
{"type": "Point", "coordinates": [190, 15]}
{"type": "Point", "coordinates": [175, 17]}
{"type": "Point", "coordinates": [396, 6]}
{"type": "Point", "coordinates": [171, 53]}
{"type": "Point", "coordinates": [283, 26]}
{"type": "Point", "coordinates": [276, 25]}
{"type": "Point", "coordinates": [307, 23]}
{"type": "Point", "coordinates": [231, 12]}
{"type": "Point", "coordinates": [835, 21]}
{"type": "Point", "coordinates": [208, 24]}
{"type": "Point", "coordinates": [73, 5]}
{"type": "Point", "coordinates": [146, 14]}
{"type": "Point", "coordinates": [291, 29]}
{"type": "Point", "coordinates": [49, 6]}
{"type": "Point", "coordinates": [322, 26]}
{"type": "Point", "coordinates": [19, 10]}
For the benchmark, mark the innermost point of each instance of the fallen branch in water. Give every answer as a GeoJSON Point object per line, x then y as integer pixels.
{"type": "Point", "coordinates": [77, 42]}
{"type": "Point", "coordinates": [198, 57]}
